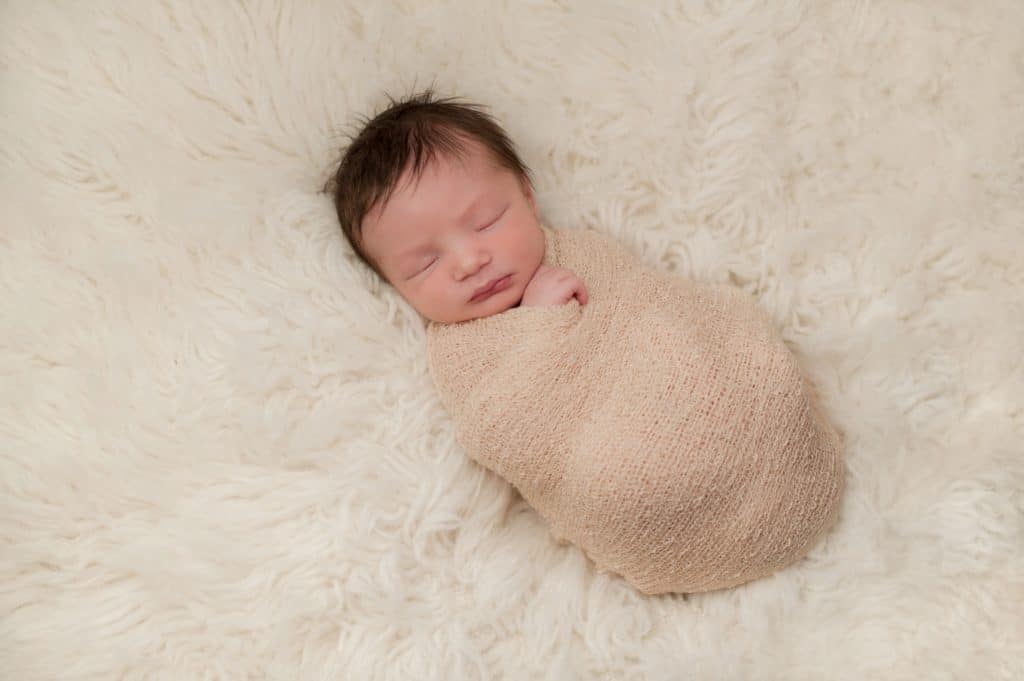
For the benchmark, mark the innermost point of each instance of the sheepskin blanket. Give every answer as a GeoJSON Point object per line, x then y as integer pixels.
{"type": "Point", "coordinates": [221, 452]}
{"type": "Point", "coordinates": [665, 428]}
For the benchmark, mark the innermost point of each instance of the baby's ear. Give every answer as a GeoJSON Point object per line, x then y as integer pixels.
{"type": "Point", "coordinates": [528, 193]}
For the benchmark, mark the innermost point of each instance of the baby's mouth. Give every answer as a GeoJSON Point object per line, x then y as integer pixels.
{"type": "Point", "coordinates": [495, 286]}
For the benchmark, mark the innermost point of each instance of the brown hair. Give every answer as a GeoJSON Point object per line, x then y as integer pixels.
{"type": "Point", "coordinates": [409, 133]}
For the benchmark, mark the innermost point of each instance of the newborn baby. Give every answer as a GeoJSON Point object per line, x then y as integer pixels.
{"type": "Point", "coordinates": [659, 424]}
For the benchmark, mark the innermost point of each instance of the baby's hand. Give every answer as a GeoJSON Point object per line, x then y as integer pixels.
{"type": "Point", "coordinates": [553, 286]}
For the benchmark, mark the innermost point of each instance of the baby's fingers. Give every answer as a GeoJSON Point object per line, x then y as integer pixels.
{"type": "Point", "coordinates": [581, 293]}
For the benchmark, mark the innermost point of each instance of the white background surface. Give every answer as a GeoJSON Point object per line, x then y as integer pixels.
{"type": "Point", "coordinates": [222, 457]}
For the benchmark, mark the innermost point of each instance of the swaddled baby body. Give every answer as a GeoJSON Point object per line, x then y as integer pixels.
{"type": "Point", "coordinates": [659, 424]}
{"type": "Point", "coordinates": [664, 428]}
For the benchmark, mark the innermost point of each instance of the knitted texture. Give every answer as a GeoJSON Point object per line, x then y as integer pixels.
{"type": "Point", "coordinates": [664, 427]}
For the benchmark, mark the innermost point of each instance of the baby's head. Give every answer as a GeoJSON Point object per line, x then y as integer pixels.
{"type": "Point", "coordinates": [433, 197]}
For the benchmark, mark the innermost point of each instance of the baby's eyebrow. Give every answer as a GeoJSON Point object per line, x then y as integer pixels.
{"type": "Point", "coordinates": [466, 214]}
{"type": "Point", "coordinates": [415, 251]}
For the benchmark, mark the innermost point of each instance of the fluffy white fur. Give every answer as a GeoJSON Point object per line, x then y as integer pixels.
{"type": "Point", "coordinates": [222, 457]}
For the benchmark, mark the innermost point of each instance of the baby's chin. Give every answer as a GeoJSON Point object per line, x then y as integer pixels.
{"type": "Point", "coordinates": [490, 312]}
{"type": "Point", "coordinates": [488, 308]}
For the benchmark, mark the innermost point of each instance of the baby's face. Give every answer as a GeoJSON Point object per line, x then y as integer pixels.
{"type": "Point", "coordinates": [464, 224]}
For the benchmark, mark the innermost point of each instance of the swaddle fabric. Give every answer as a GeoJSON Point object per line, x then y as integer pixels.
{"type": "Point", "coordinates": [664, 428]}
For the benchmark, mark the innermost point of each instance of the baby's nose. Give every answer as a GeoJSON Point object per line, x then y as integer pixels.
{"type": "Point", "coordinates": [472, 262]}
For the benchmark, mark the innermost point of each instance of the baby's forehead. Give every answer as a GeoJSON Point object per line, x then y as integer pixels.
{"type": "Point", "coordinates": [456, 175]}
{"type": "Point", "coordinates": [467, 155]}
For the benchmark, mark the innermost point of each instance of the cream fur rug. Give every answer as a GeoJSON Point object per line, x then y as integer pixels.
{"type": "Point", "coordinates": [222, 456]}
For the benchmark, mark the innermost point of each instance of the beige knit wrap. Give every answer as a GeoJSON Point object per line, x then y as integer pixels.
{"type": "Point", "coordinates": [664, 427]}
